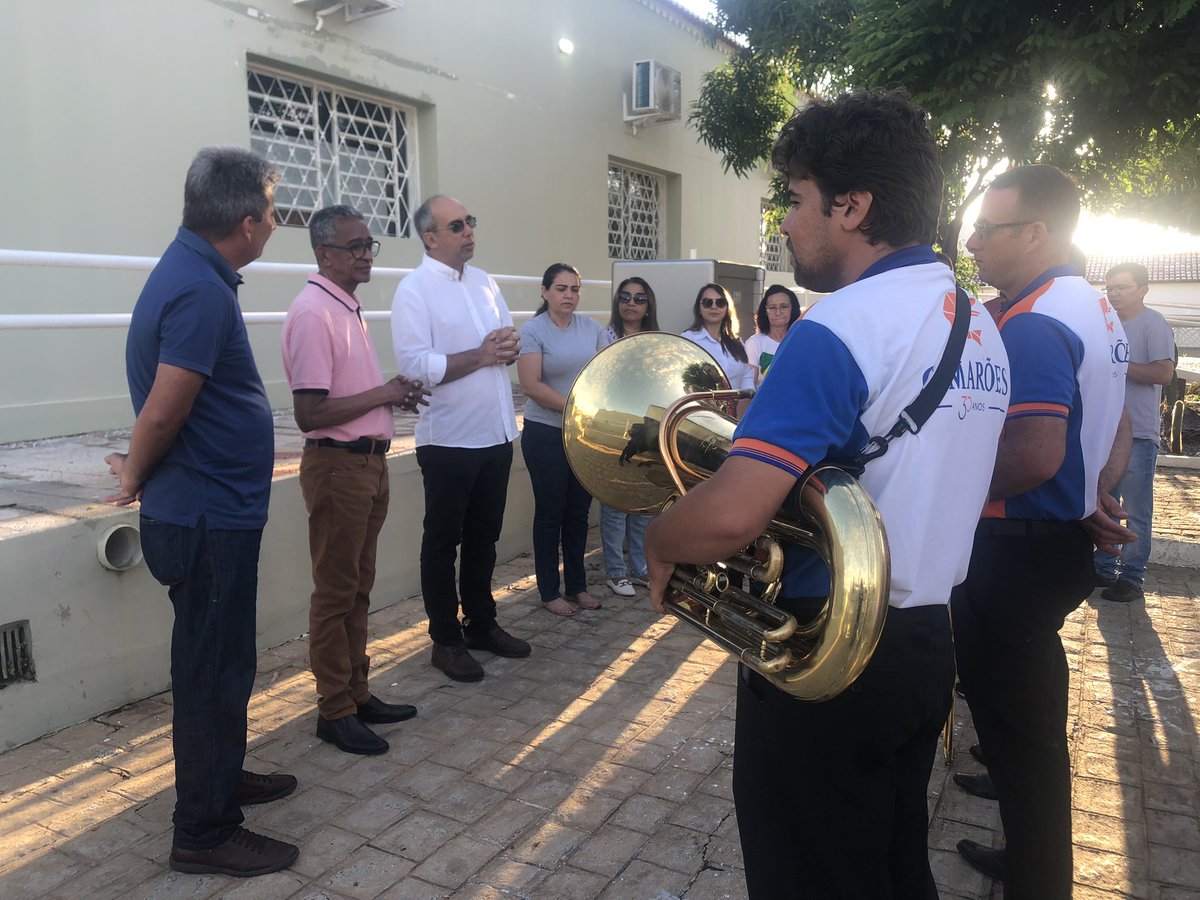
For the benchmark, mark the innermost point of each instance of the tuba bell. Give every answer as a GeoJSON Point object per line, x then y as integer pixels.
{"type": "Point", "coordinates": [648, 418]}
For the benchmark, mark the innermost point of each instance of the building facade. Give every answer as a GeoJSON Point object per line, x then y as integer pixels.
{"type": "Point", "coordinates": [108, 102]}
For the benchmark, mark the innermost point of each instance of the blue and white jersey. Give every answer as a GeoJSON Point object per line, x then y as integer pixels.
{"type": "Point", "coordinates": [1069, 355]}
{"type": "Point", "coordinates": [844, 373]}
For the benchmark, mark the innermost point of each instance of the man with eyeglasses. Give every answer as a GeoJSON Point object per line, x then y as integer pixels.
{"type": "Point", "coordinates": [1151, 365]}
{"type": "Point", "coordinates": [1031, 563]}
{"type": "Point", "coordinates": [344, 408]}
{"type": "Point", "coordinates": [452, 331]}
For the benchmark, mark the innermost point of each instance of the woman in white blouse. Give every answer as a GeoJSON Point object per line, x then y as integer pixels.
{"type": "Point", "coordinates": [714, 327]}
{"type": "Point", "coordinates": [776, 313]}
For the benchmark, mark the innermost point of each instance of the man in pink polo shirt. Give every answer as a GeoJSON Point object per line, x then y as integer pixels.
{"type": "Point", "coordinates": [344, 408]}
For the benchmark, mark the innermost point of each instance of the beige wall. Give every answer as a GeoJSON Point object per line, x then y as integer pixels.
{"type": "Point", "coordinates": [106, 103]}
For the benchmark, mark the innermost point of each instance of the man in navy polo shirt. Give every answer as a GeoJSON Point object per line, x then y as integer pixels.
{"type": "Point", "coordinates": [1031, 564]}
{"type": "Point", "coordinates": [200, 462]}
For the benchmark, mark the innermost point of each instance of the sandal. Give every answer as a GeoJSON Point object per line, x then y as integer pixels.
{"type": "Point", "coordinates": [559, 607]}
{"type": "Point", "coordinates": [587, 601]}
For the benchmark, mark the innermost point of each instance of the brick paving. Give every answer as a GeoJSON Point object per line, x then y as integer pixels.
{"type": "Point", "coordinates": [597, 768]}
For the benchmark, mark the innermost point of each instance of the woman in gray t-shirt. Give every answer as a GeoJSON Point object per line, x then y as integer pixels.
{"type": "Point", "coordinates": [555, 345]}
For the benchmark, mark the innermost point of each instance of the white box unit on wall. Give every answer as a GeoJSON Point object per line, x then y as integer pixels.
{"type": "Point", "coordinates": [656, 90]}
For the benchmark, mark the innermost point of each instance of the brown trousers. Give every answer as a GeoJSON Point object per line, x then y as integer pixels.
{"type": "Point", "coordinates": [346, 495]}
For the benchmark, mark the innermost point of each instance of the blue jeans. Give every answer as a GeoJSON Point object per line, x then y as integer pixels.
{"type": "Point", "coordinates": [560, 512]}
{"type": "Point", "coordinates": [1136, 493]}
{"type": "Point", "coordinates": [615, 527]}
{"type": "Point", "coordinates": [212, 578]}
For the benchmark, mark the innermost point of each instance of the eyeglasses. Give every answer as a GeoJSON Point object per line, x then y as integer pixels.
{"type": "Point", "coordinates": [639, 299]}
{"type": "Point", "coordinates": [457, 225]}
{"type": "Point", "coordinates": [983, 229]}
{"type": "Point", "coordinates": [358, 249]}
{"type": "Point", "coordinates": [710, 302]}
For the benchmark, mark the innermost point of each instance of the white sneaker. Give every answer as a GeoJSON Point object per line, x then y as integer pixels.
{"type": "Point", "coordinates": [641, 580]}
{"type": "Point", "coordinates": [622, 587]}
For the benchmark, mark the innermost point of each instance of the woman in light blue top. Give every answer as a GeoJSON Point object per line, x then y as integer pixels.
{"type": "Point", "coordinates": [633, 312]}
{"type": "Point", "coordinates": [714, 327]}
{"type": "Point", "coordinates": [555, 345]}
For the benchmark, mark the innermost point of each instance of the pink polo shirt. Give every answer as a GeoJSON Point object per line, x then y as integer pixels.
{"type": "Point", "coordinates": [327, 347]}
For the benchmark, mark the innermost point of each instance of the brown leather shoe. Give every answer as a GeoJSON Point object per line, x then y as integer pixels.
{"type": "Point", "coordinates": [456, 662]}
{"type": "Point", "coordinates": [243, 854]}
{"type": "Point", "coordinates": [256, 788]}
{"type": "Point", "coordinates": [498, 641]}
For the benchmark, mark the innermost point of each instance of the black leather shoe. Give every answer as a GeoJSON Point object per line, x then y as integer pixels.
{"type": "Point", "coordinates": [979, 785]}
{"type": "Point", "coordinates": [456, 662]}
{"type": "Point", "coordinates": [977, 752]}
{"type": "Point", "coordinates": [983, 859]}
{"type": "Point", "coordinates": [1105, 581]}
{"type": "Point", "coordinates": [1123, 592]}
{"type": "Point", "coordinates": [498, 641]}
{"type": "Point", "coordinates": [350, 734]}
{"type": "Point", "coordinates": [958, 689]}
{"type": "Point", "coordinates": [256, 788]}
{"type": "Point", "coordinates": [243, 854]}
{"type": "Point", "coordinates": [376, 712]}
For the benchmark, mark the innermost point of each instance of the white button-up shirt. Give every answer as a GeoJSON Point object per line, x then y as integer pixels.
{"type": "Point", "coordinates": [437, 313]}
{"type": "Point", "coordinates": [739, 374]}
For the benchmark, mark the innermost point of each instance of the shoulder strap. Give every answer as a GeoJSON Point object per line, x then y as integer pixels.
{"type": "Point", "coordinates": [917, 413]}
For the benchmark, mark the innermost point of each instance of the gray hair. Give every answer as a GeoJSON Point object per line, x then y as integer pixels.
{"type": "Point", "coordinates": [223, 186]}
{"type": "Point", "coordinates": [323, 226]}
{"type": "Point", "coordinates": [423, 219]}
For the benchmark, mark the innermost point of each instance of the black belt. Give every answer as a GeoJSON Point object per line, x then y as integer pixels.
{"type": "Point", "coordinates": [1026, 527]}
{"type": "Point", "coordinates": [363, 445]}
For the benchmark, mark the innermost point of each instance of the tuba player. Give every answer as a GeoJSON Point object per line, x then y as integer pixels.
{"type": "Point", "coordinates": [830, 796]}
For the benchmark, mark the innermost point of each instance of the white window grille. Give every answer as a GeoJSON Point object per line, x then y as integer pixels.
{"type": "Point", "coordinates": [635, 212]}
{"type": "Point", "coordinates": [770, 241]}
{"type": "Point", "coordinates": [330, 147]}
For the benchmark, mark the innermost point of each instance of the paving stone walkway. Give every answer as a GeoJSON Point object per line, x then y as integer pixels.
{"type": "Point", "coordinates": [597, 768]}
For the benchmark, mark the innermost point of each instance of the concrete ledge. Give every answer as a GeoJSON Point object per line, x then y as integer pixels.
{"type": "Point", "coordinates": [101, 639]}
{"type": "Point", "coordinates": [1180, 554]}
{"type": "Point", "coordinates": [1171, 461]}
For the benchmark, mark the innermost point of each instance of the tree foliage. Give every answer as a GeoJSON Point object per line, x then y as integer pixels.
{"type": "Point", "coordinates": [1109, 90]}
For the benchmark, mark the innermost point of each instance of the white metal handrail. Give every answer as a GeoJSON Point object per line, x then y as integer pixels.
{"type": "Point", "coordinates": [43, 258]}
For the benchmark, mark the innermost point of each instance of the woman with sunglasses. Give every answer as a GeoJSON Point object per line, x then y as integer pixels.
{"type": "Point", "coordinates": [633, 312]}
{"type": "Point", "coordinates": [776, 313]}
{"type": "Point", "coordinates": [555, 345]}
{"type": "Point", "coordinates": [714, 327]}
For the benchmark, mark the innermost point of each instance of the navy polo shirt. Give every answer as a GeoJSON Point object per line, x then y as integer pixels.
{"type": "Point", "coordinates": [220, 464]}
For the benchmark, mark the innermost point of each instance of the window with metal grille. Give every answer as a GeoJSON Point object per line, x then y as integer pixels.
{"type": "Point", "coordinates": [635, 212]}
{"type": "Point", "coordinates": [330, 147]}
{"type": "Point", "coordinates": [16, 658]}
{"type": "Point", "coordinates": [770, 241]}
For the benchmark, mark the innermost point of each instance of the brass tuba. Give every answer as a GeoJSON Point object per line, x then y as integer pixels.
{"type": "Point", "coordinates": [648, 418]}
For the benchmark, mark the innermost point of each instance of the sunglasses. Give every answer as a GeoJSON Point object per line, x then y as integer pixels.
{"type": "Point", "coordinates": [626, 297]}
{"type": "Point", "coordinates": [457, 225]}
{"type": "Point", "coordinates": [710, 302]}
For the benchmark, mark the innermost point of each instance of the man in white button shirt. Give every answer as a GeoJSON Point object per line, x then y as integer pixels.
{"type": "Point", "coordinates": [452, 330]}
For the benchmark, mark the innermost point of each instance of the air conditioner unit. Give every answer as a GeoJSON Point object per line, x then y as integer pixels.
{"type": "Point", "coordinates": [353, 9]}
{"type": "Point", "coordinates": [656, 91]}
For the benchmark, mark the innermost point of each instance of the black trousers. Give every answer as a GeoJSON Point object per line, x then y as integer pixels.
{"type": "Point", "coordinates": [465, 492]}
{"type": "Point", "coordinates": [830, 797]}
{"type": "Point", "coordinates": [1025, 578]}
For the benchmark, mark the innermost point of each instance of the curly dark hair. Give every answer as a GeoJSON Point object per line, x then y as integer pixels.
{"type": "Point", "coordinates": [875, 141]}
